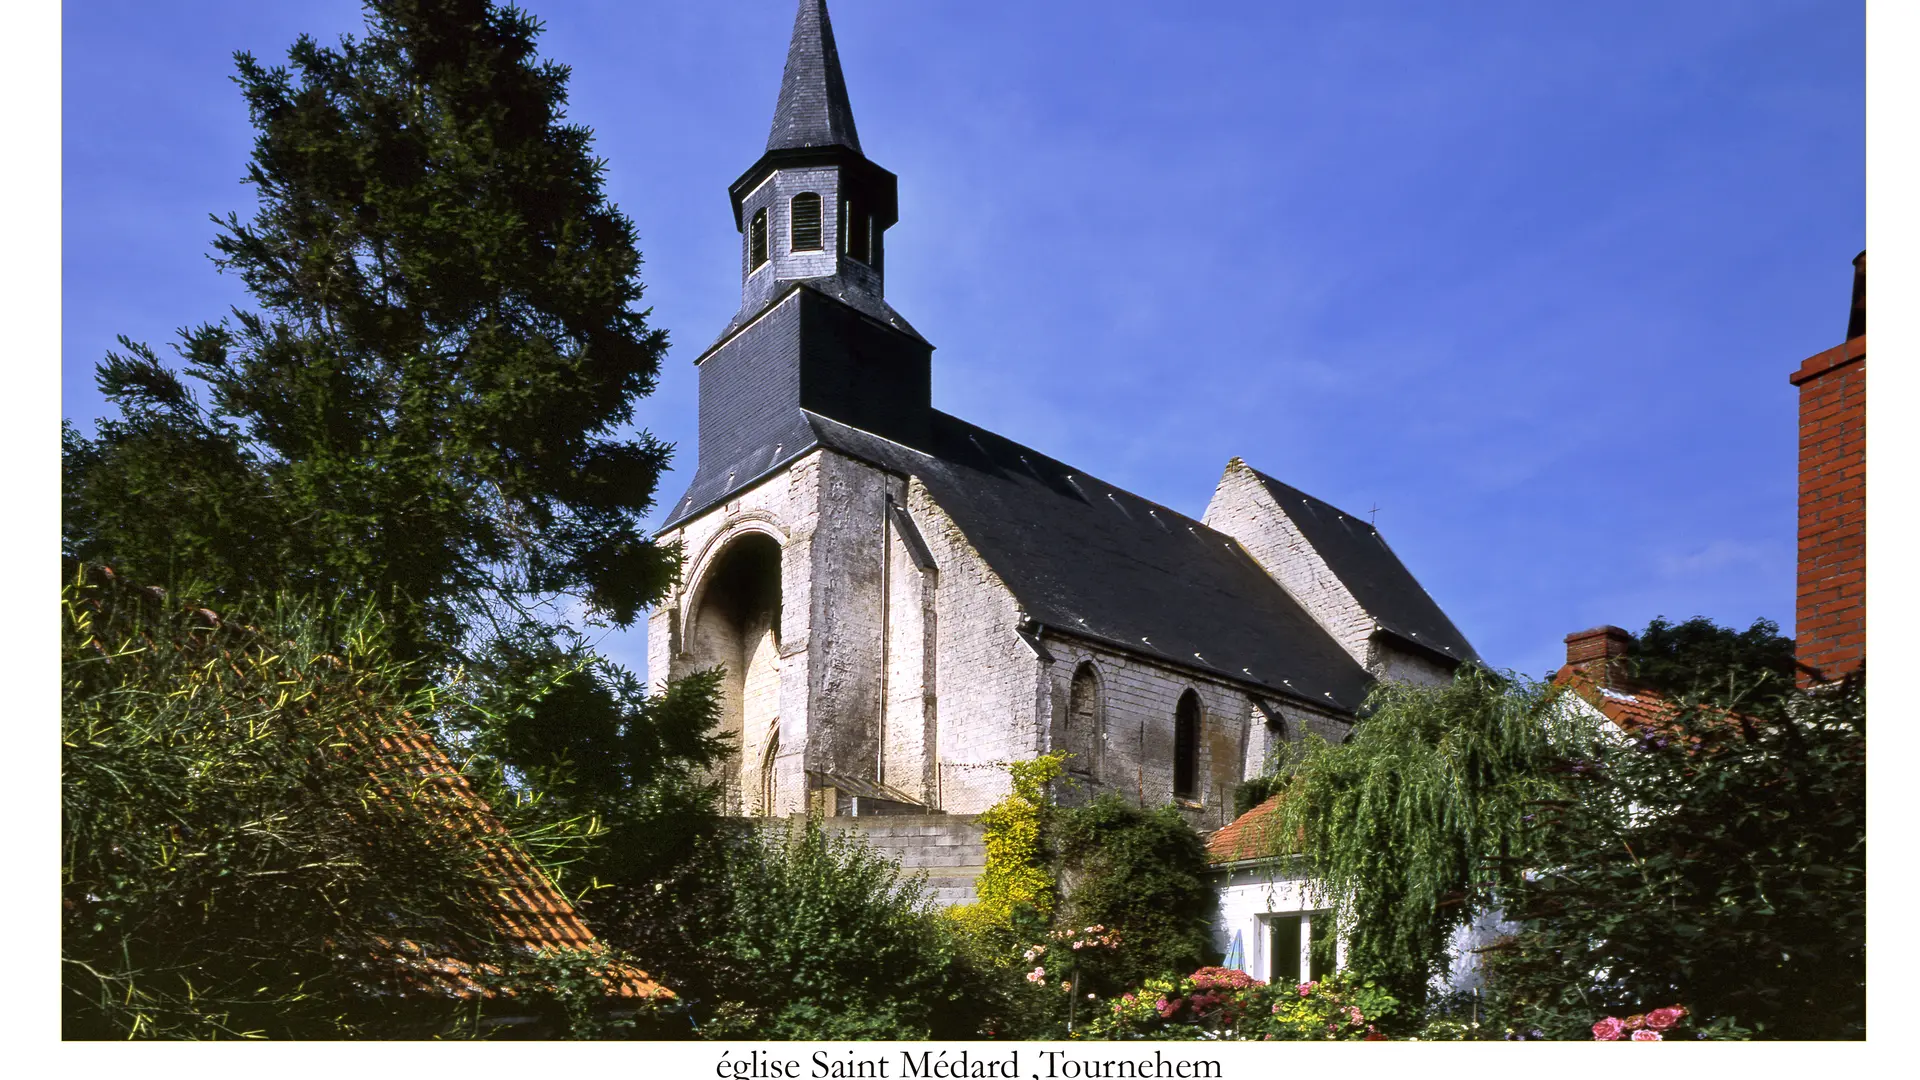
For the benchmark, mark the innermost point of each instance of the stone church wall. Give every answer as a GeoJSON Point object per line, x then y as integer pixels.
{"type": "Point", "coordinates": [1243, 509]}
{"type": "Point", "coordinates": [1134, 751]}
{"type": "Point", "coordinates": [989, 680]}
{"type": "Point", "coordinates": [1386, 662]}
{"type": "Point", "coordinates": [781, 507]}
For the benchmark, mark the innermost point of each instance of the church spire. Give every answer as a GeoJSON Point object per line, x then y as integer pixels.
{"type": "Point", "coordinates": [813, 109]}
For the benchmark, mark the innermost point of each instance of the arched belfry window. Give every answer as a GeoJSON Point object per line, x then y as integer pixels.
{"type": "Point", "coordinates": [757, 240]}
{"type": "Point", "coordinates": [854, 229]}
{"type": "Point", "coordinates": [1186, 746]}
{"type": "Point", "coordinates": [806, 222]}
{"type": "Point", "coordinates": [1083, 719]}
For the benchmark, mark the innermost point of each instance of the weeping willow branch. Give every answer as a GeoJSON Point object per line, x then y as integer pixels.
{"type": "Point", "coordinates": [1413, 825]}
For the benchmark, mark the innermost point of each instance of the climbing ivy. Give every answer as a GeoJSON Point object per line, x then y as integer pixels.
{"type": "Point", "coordinates": [1018, 883]}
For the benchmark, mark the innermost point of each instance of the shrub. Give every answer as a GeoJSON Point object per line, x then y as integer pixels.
{"type": "Point", "coordinates": [237, 860]}
{"type": "Point", "coordinates": [1143, 874]}
{"type": "Point", "coordinates": [1015, 889]}
{"type": "Point", "coordinates": [816, 936]}
{"type": "Point", "coordinates": [1716, 860]}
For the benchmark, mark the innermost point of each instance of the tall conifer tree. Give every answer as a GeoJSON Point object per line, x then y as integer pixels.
{"type": "Point", "coordinates": [428, 406]}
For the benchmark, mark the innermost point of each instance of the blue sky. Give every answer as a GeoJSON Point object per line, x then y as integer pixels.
{"type": "Point", "coordinates": [1528, 277]}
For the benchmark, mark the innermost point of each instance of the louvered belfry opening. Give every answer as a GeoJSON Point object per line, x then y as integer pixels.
{"type": "Point", "coordinates": [853, 232]}
{"type": "Point", "coordinates": [757, 240]}
{"type": "Point", "coordinates": [1186, 746]}
{"type": "Point", "coordinates": [806, 222]}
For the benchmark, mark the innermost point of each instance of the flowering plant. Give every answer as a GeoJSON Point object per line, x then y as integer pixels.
{"type": "Point", "coordinates": [1058, 956]}
{"type": "Point", "coordinates": [1640, 1027]}
{"type": "Point", "coordinates": [1223, 1003]}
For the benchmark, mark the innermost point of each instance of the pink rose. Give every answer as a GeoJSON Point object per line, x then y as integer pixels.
{"type": "Point", "coordinates": [1038, 974]}
{"type": "Point", "coordinates": [1646, 1035]}
{"type": "Point", "coordinates": [1354, 1015]}
{"type": "Point", "coordinates": [1662, 1019]}
{"type": "Point", "coordinates": [1305, 989]}
{"type": "Point", "coordinates": [1608, 1030]}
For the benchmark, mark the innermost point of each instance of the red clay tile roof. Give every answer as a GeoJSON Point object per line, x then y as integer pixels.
{"type": "Point", "coordinates": [527, 909]}
{"type": "Point", "coordinates": [1630, 708]}
{"type": "Point", "coordinates": [1249, 836]}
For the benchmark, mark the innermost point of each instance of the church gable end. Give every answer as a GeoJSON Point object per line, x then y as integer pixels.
{"type": "Point", "coordinates": [1342, 572]}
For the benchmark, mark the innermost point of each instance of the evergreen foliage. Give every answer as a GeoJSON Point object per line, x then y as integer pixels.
{"type": "Point", "coordinates": [425, 411]}
{"type": "Point", "coordinates": [421, 430]}
{"type": "Point", "coordinates": [1418, 820]}
{"type": "Point", "coordinates": [1718, 861]}
{"type": "Point", "coordinates": [1143, 874]}
{"type": "Point", "coordinates": [1701, 659]}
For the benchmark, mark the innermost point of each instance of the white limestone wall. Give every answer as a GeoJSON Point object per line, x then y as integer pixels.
{"type": "Point", "coordinates": [1246, 897]}
{"type": "Point", "coordinates": [1244, 509]}
{"type": "Point", "coordinates": [989, 682]}
{"type": "Point", "coordinates": [910, 730]}
{"type": "Point", "coordinates": [845, 699]}
{"type": "Point", "coordinates": [1135, 753]}
{"type": "Point", "coordinates": [782, 507]}
{"type": "Point", "coordinates": [1386, 662]}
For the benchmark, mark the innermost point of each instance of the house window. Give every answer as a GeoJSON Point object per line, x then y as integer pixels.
{"type": "Point", "coordinates": [1186, 747]}
{"type": "Point", "coordinates": [853, 232]}
{"type": "Point", "coordinates": [757, 241]}
{"type": "Point", "coordinates": [1083, 719]}
{"type": "Point", "coordinates": [806, 222]}
{"type": "Point", "coordinates": [1300, 948]}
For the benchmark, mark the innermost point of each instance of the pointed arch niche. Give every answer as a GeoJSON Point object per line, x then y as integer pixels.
{"type": "Point", "coordinates": [1086, 716]}
{"type": "Point", "coordinates": [735, 624]}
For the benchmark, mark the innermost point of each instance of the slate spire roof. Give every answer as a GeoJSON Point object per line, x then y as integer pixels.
{"type": "Point", "coordinates": [813, 109]}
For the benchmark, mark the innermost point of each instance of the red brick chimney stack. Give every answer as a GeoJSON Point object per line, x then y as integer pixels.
{"type": "Point", "coordinates": [1600, 655]}
{"type": "Point", "coordinates": [1830, 612]}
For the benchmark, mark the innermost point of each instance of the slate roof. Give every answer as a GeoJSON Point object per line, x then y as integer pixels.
{"type": "Point", "coordinates": [846, 290]}
{"type": "Point", "coordinates": [1378, 580]}
{"type": "Point", "coordinates": [813, 109]}
{"type": "Point", "coordinates": [1088, 559]}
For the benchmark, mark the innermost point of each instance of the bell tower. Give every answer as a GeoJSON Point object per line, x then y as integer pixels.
{"type": "Point", "coordinates": [814, 333]}
{"type": "Point", "coordinates": [813, 207]}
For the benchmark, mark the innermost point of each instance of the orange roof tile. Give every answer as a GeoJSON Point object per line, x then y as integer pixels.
{"type": "Point", "coordinates": [1249, 836]}
{"type": "Point", "coordinates": [1630, 708]}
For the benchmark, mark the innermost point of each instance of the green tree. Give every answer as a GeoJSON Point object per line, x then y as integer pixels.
{"type": "Point", "coordinates": [1700, 658]}
{"type": "Point", "coordinates": [1715, 861]}
{"type": "Point", "coordinates": [1419, 819]}
{"type": "Point", "coordinates": [424, 411]}
{"type": "Point", "coordinates": [427, 412]}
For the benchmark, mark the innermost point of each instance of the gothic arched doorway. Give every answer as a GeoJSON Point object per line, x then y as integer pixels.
{"type": "Point", "coordinates": [736, 625]}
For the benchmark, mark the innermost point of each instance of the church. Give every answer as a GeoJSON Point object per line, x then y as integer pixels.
{"type": "Point", "coordinates": [903, 601]}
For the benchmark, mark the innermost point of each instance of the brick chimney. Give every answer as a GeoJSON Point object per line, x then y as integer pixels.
{"type": "Point", "coordinates": [1600, 654]}
{"type": "Point", "coordinates": [1830, 610]}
